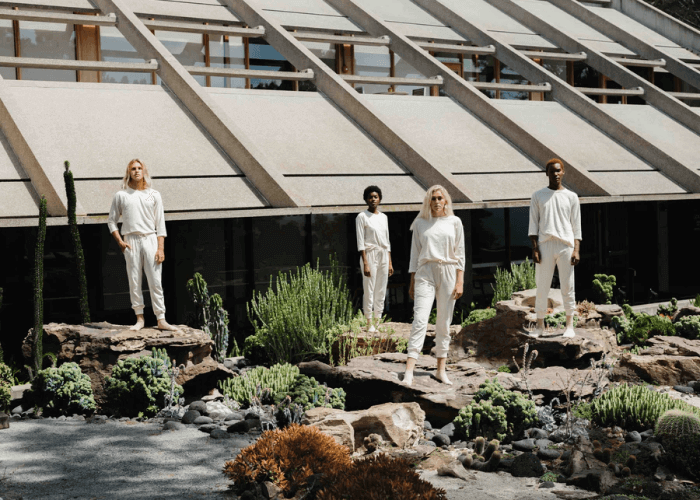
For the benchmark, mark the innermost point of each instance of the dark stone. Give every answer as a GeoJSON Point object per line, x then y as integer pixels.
{"type": "Point", "coordinates": [649, 433]}
{"type": "Point", "coordinates": [203, 420]}
{"type": "Point", "coordinates": [441, 440]}
{"type": "Point", "coordinates": [543, 444]}
{"type": "Point", "coordinates": [505, 463]}
{"type": "Point", "coordinates": [429, 435]}
{"type": "Point", "coordinates": [423, 442]}
{"type": "Point", "coordinates": [548, 454]}
{"type": "Point", "coordinates": [536, 433]}
{"type": "Point", "coordinates": [199, 406]}
{"type": "Point", "coordinates": [219, 434]}
{"type": "Point", "coordinates": [240, 426]}
{"type": "Point", "coordinates": [598, 480]}
{"type": "Point", "coordinates": [207, 428]}
{"type": "Point", "coordinates": [547, 484]}
{"type": "Point", "coordinates": [173, 426]}
{"type": "Point", "coordinates": [633, 437]}
{"type": "Point", "coordinates": [234, 415]}
{"type": "Point", "coordinates": [4, 421]}
{"type": "Point", "coordinates": [448, 430]}
{"type": "Point", "coordinates": [427, 426]}
{"type": "Point", "coordinates": [695, 385]}
{"type": "Point", "coordinates": [190, 416]}
{"type": "Point", "coordinates": [527, 465]}
{"type": "Point", "coordinates": [459, 445]}
{"type": "Point", "coordinates": [524, 445]}
{"type": "Point", "coordinates": [251, 415]}
{"type": "Point", "coordinates": [684, 389]}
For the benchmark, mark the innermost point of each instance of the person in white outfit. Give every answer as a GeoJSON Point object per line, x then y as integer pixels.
{"type": "Point", "coordinates": [437, 272]}
{"type": "Point", "coordinates": [555, 232]}
{"type": "Point", "coordinates": [143, 227]}
{"type": "Point", "coordinates": [372, 229]}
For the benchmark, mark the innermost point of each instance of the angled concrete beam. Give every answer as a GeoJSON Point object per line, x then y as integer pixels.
{"type": "Point", "coordinates": [260, 171]}
{"type": "Point", "coordinates": [567, 95]}
{"type": "Point", "coordinates": [466, 94]}
{"type": "Point", "coordinates": [638, 45]}
{"type": "Point", "coordinates": [353, 104]}
{"type": "Point", "coordinates": [654, 19]}
{"type": "Point", "coordinates": [673, 107]}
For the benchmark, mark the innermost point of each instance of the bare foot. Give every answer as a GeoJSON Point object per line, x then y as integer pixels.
{"type": "Point", "coordinates": [139, 324]}
{"type": "Point", "coordinates": [569, 333]}
{"type": "Point", "coordinates": [164, 325]}
{"type": "Point", "coordinates": [442, 377]}
{"type": "Point", "coordinates": [408, 379]}
{"type": "Point", "coordinates": [536, 333]}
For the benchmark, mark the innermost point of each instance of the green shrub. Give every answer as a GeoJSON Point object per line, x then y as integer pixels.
{"type": "Point", "coordinates": [260, 382]}
{"type": "Point", "coordinates": [603, 288]}
{"type": "Point", "coordinates": [138, 386]}
{"type": "Point", "coordinates": [558, 320]}
{"type": "Point", "coordinates": [679, 432]}
{"type": "Point", "coordinates": [6, 379]}
{"type": "Point", "coordinates": [688, 327]}
{"type": "Point", "coordinates": [646, 326]}
{"type": "Point", "coordinates": [291, 319]}
{"type": "Point", "coordinates": [634, 407]}
{"type": "Point", "coordinates": [503, 369]}
{"type": "Point", "coordinates": [478, 315]}
{"type": "Point", "coordinates": [696, 302]}
{"type": "Point", "coordinates": [62, 391]}
{"type": "Point", "coordinates": [669, 309]}
{"type": "Point", "coordinates": [622, 327]}
{"type": "Point", "coordinates": [211, 317]}
{"type": "Point", "coordinates": [308, 393]}
{"type": "Point", "coordinates": [520, 277]}
{"type": "Point", "coordinates": [483, 417]}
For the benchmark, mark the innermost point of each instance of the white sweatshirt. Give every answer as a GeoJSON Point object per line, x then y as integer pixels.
{"type": "Point", "coordinates": [372, 231]}
{"type": "Point", "coordinates": [141, 212]}
{"type": "Point", "coordinates": [555, 214]}
{"type": "Point", "coordinates": [437, 239]}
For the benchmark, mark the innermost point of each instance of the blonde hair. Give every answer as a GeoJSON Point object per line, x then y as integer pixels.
{"type": "Point", "coordinates": [425, 212]}
{"type": "Point", "coordinates": [127, 177]}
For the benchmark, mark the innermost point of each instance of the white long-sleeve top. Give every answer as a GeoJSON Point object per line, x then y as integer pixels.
{"type": "Point", "coordinates": [372, 231]}
{"type": "Point", "coordinates": [437, 239]}
{"type": "Point", "coordinates": [555, 214]}
{"type": "Point", "coordinates": [141, 212]}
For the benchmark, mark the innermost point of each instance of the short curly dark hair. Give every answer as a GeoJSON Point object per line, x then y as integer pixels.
{"type": "Point", "coordinates": [371, 189]}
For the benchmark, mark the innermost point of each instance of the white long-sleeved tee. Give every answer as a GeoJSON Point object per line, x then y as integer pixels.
{"type": "Point", "coordinates": [437, 239]}
{"type": "Point", "coordinates": [555, 214]}
{"type": "Point", "coordinates": [141, 212]}
{"type": "Point", "coordinates": [372, 231]}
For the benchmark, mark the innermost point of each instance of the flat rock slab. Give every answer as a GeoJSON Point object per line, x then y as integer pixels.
{"type": "Point", "coordinates": [668, 361]}
{"type": "Point", "coordinates": [96, 347]}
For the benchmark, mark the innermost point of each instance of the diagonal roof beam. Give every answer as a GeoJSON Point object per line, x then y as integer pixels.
{"type": "Point", "coordinates": [348, 100]}
{"type": "Point", "coordinates": [568, 95]}
{"type": "Point", "coordinates": [673, 107]}
{"type": "Point", "coordinates": [638, 45]}
{"type": "Point", "coordinates": [468, 96]}
{"type": "Point", "coordinates": [230, 137]}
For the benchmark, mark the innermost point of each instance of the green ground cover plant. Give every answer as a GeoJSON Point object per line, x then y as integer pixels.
{"type": "Point", "coordinates": [263, 384]}
{"type": "Point", "coordinates": [688, 327]}
{"type": "Point", "coordinates": [62, 391]}
{"type": "Point", "coordinates": [558, 320]}
{"type": "Point", "coordinates": [478, 315]}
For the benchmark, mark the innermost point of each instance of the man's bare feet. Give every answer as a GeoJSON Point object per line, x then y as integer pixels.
{"type": "Point", "coordinates": [164, 325]}
{"type": "Point", "coordinates": [139, 324]}
{"type": "Point", "coordinates": [442, 377]}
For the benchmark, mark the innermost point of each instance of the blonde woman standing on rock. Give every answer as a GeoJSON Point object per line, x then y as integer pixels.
{"type": "Point", "coordinates": [437, 272]}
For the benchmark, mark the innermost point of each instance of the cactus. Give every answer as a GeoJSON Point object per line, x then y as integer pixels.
{"type": "Point", "coordinates": [598, 454]}
{"type": "Point", "coordinates": [482, 417]}
{"type": "Point", "coordinates": [607, 454]}
{"type": "Point", "coordinates": [38, 331]}
{"type": "Point", "coordinates": [626, 472]}
{"type": "Point", "coordinates": [77, 246]}
{"type": "Point", "coordinates": [493, 461]}
{"type": "Point", "coordinates": [212, 318]}
{"type": "Point", "coordinates": [688, 327]}
{"type": "Point", "coordinates": [603, 287]}
{"type": "Point", "coordinates": [668, 310]}
{"type": "Point", "coordinates": [679, 433]}
{"type": "Point", "coordinates": [2, 356]}
{"type": "Point", "coordinates": [308, 393]}
{"type": "Point", "coordinates": [677, 423]}
{"type": "Point", "coordinates": [631, 462]}
{"type": "Point", "coordinates": [480, 443]}
{"type": "Point", "coordinates": [596, 444]}
{"type": "Point", "coordinates": [260, 382]}
{"type": "Point", "coordinates": [493, 446]}
{"type": "Point", "coordinates": [62, 391]}
{"type": "Point", "coordinates": [466, 460]}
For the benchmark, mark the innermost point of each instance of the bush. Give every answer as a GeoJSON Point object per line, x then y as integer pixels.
{"type": "Point", "coordinates": [478, 315]}
{"type": "Point", "coordinates": [62, 391]}
{"type": "Point", "coordinates": [558, 320]}
{"type": "Point", "coordinates": [288, 458]}
{"type": "Point", "coordinates": [291, 319]}
{"type": "Point", "coordinates": [645, 327]}
{"type": "Point", "coordinates": [520, 277]}
{"type": "Point", "coordinates": [603, 288]}
{"type": "Point", "coordinates": [634, 407]}
{"type": "Point", "coordinates": [622, 327]}
{"type": "Point", "coordinates": [6, 379]}
{"type": "Point", "coordinates": [696, 302]}
{"type": "Point", "coordinates": [308, 393]}
{"type": "Point", "coordinates": [496, 413]}
{"type": "Point", "coordinates": [679, 432]}
{"type": "Point", "coordinates": [669, 309]}
{"type": "Point", "coordinates": [380, 477]}
{"type": "Point", "coordinates": [688, 327]}
{"type": "Point", "coordinates": [138, 386]}
{"type": "Point", "coordinates": [260, 382]}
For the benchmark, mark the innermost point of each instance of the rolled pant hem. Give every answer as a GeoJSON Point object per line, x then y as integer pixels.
{"type": "Point", "coordinates": [413, 355]}
{"type": "Point", "coordinates": [139, 311]}
{"type": "Point", "coordinates": [160, 316]}
{"type": "Point", "coordinates": [439, 354]}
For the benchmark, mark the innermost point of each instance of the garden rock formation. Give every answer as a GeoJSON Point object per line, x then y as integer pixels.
{"type": "Point", "coordinates": [96, 347]}
{"type": "Point", "coordinates": [668, 361]}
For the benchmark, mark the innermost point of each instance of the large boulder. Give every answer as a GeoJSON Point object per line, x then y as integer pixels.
{"type": "Point", "coordinates": [96, 347]}
{"type": "Point", "coordinates": [667, 361]}
{"type": "Point", "coordinates": [400, 424]}
{"type": "Point", "coordinates": [686, 311]}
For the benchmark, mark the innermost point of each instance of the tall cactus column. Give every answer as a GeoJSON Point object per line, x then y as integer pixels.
{"type": "Point", "coordinates": [77, 246]}
{"type": "Point", "coordinates": [39, 287]}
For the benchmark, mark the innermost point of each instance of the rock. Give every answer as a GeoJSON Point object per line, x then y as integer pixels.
{"type": "Point", "coordinates": [663, 474]}
{"type": "Point", "coordinates": [202, 420]}
{"type": "Point", "coordinates": [527, 465]}
{"type": "Point", "coordinates": [429, 444]}
{"type": "Point", "coordinates": [270, 490]}
{"type": "Point", "coordinates": [172, 425]}
{"type": "Point", "coordinates": [17, 410]}
{"type": "Point", "coordinates": [213, 395]}
{"type": "Point", "coordinates": [448, 430]}
{"type": "Point", "coordinates": [427, 426]}
{"type": "Point", "coordinates": [400, 424]}
{"type": "Point", "coordinates": [199, 406]}
{"type": "Point", "coordinates": [207, 428]}
{"type": "Point", "coordinates": [96, 347]}
{"type": "Point", "coordinates": [235, 362]}
{"type": "Point", "coordinates": [686, 311]}
{"type": "Point", "coordinates": [190, 416]}
{"type": "Point", "coordinates": [440, 440]}
{"type": "Point", "coordinates": [695, 385]}
{"type": "Point", "coordinates": [234, 415]}
{"type": "Point", "coordinates": [668, 361]}
{"type": "Point", "coordinates": [576, 463]}
{"type": "Point", "coordinates": [252, 415]}
{"type": "Point", "coordinates": [649, 433]}
{"type": "Point", "coordinates": [598, 480]}
{"type": "Point", "coordinates": [536, 433]}
{"type": "Point", "coordinates": [526, 298]}
{"type": "Point", "coordinates": [543, 444]}
{"type": "Point", "coordinates": [217, 415]}
{"type": "Point", "coordinates": [240, 426]}
{"type": "Point", "coordinates": [633, 437]}
{"type": "Point", "coordinates": [548, 454]}
{"type": "Point", "coordinates": [684, 389]}
{"type": "Point", "coordinates": [219, 434]}
{"type": "Point", "coordinates": [547, 484]}
{"type": "Point", "coordinates": [17, 392]}
{"type": "Point", "coordinates": [524, 445]}
{"type": "Point", "coordinates": [608, 312]}
{"type": "Point", "coordinates": [454, 469]}
{"type": "Point", "coordinates": [4, 421]}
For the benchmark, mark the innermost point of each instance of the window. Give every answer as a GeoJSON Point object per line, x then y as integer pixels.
{"type": "Point", "coordinates": [7, 47]}
{"type": "Point", "coordinates": [47, 40]}
{"type": "Point", "coordinates": [115, 48]}
{"type": "Point", "coordinates": [372, 61]}
{"type": "Point", "coordinates": [226, 52]}
{"type": "Point", "coordinates": [188, 49]}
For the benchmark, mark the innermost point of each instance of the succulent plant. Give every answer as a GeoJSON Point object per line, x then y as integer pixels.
{"type": "Point", "coordinates": [688, 327]}
{"type": "Point", "coordinates": [493, 446]}
{"type": "Point", "coordinates": [480, 444]}
{"type": "Point", "coordinates": [484, 418]}
{"type": "Point", "coordinates": [308, 393]}
{"type": "Point", "coordinates": [606, 455]}
{"type": "Point", "coordinates": [261, 383]}
{"type": "Point", "coordinates": [62, 391]}
{"type": "Point", "coordinates": [6, 379]}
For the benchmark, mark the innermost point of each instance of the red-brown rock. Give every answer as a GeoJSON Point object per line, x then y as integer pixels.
{"type": "Point", "coordinates": [667, 361]}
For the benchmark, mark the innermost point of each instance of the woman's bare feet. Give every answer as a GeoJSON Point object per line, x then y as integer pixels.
{"type": "Point", "coordinates": [442, 371]}
{"type": "Point", "coordinates": [442, 377]}
{"type": "Point", "coordinates": [408, 379]}
{"type": "Point", "coordinates": [164, 325]}
{"type": "Point", "coordinates": [139, 323]}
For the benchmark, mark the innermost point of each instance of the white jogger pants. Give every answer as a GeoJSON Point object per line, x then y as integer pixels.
{"type": "Point", "coordinates": [554, 252]}
{"type": "Point", "coordinates": [375, 285]}
{"type": "Point", "coordinates": [433, 280]}
{"type": "Point", "coordinates": [141, 258]}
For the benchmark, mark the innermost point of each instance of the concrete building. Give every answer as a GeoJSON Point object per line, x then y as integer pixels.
{"type": "Point", "coordinates": [263, 120]}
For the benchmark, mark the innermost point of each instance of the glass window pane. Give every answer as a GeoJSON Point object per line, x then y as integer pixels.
{"type": "Point", "coordinates": [264, 57]}
{"type": "Point", "coordinates": [520, 246]}
{"type": "Point", "coordinates": [324, 51]}
{"type": "Point", "coordinates": [510, 76]}
{"type": "Point", "coordinates": [226, 52]}
{"type": "Point", "coordinates": [188, 49]}
{"type": "Point", "coordinates": [115, 48]}
{"type": "Point", "coordinates": [48, 40]}
{"type": "Point", "coordinates": [270, 234]}
{"type": "Point", "coordinates": [488, 237]}
{"type": "Point", "coordinates": [7, 47]}
{"type": "Point", "coordinates": [372, 61]}
{"type": "Point", "coordinates": [404, 70]}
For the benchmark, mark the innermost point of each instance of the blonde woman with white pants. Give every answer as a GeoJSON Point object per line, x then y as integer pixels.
{"type": "Point", "coordinates": [372, 230]}
{"type": "Point", "coordinates": [437, 272]}
{"type": "Point", "coordinates": [143, 227]}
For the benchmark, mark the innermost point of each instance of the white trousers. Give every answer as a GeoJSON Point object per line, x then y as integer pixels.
{"type": "Point", "coordinates": [375, 285]}
{"type": "Point", "coordinates": [433, 280]}
{"type": "Point", "coordinates": [554, 252]}
{"type": "Point", "coordinates": [140, 259]}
